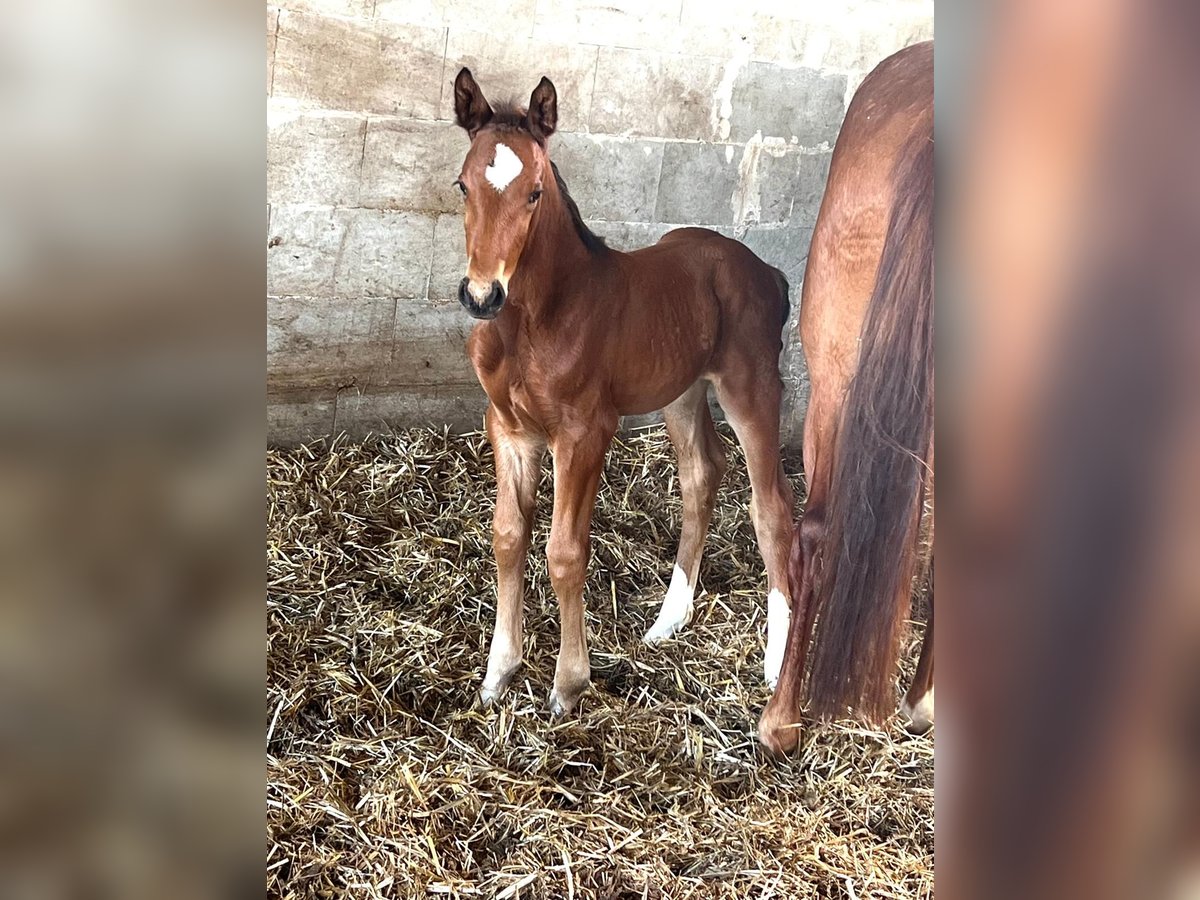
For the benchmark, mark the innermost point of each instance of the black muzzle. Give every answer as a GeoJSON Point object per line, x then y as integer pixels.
{"type": "Point", "coordinates": [488, 307]}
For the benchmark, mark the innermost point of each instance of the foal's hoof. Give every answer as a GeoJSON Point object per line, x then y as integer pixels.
{"type": "Point", "coordinates": [667, 626]}
{"type": "Point", "coordinates": [563, 702]}
{"type": "Point", "coordinates": [493, 689]}
{"type": "Point", "coordinates": [488, 696]}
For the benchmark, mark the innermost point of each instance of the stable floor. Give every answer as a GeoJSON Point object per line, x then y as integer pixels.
{"type": "Point", "coordinates": [387, 780]}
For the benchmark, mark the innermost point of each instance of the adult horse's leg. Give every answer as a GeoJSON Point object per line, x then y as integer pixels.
{"type": "Point", "coordinates": [518, 467]}
{"type": "Point", "coordinates": [750, 399]}
{"type": "Point", "coordinates": [777, 725]}
{"type": "Point", "coordinates": [578, 462]}
{"type": "Point", "coordinates": [701, 468]}
{"type": "Point", "coordinates": [918, 703]}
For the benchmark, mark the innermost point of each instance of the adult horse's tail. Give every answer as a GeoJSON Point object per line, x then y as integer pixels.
{"type": "Point", "coordinates": [868, 555]}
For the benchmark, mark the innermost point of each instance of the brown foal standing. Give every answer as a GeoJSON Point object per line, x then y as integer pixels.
{"type": "Point", "coordinates": [576, 335]}
{"type": "Point", "coordinates": [866, 325]}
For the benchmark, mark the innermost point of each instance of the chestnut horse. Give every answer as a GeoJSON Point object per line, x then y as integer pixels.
{"type": "Point", "coordinates": [866, 325]}
{"type": "Point", "coordinates": [576, 335]}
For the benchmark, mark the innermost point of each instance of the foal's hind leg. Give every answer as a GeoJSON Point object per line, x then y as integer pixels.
{"type": "Point", "coordinates": [750, 398]}
{"type": "Point", "coordinates": [701, 468]}
{"type": "Point", "coordinates": [777, 726]}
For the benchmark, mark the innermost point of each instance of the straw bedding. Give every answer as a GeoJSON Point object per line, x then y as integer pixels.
{"type": "Point", "coordinates": [385, 778]}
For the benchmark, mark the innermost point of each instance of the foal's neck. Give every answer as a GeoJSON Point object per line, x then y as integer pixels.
{"type": "Point", "coordinates": [554, 257]}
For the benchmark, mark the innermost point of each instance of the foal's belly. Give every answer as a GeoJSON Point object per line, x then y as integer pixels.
{"type": "Point", "coordinates": [636, 400]}
{"type": "Point", "coordinates": [660, 363]}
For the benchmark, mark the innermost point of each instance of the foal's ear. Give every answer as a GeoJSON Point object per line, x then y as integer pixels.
{"type": "Point", "coordinates": [543, 109]}
{"type": "Point", "coordinates": [470, 106]}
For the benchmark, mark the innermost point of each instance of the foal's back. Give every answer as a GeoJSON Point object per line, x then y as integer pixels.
{"type": "Point", "coordinates": [682, 309]}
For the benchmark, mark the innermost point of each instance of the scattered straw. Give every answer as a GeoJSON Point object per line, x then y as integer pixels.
{"type": "Point", "coordinates": [387, 780]}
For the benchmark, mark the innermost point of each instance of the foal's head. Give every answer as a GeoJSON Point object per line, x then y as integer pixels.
{"type": "Point", "coordinates": [502, 180]}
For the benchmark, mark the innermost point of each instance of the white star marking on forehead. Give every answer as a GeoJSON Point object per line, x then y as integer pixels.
{"type": "Point", "coordinates": [504, 168]}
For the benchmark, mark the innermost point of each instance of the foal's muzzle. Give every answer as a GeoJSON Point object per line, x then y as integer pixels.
{"type": "Point", "coordinates": [485, 308]}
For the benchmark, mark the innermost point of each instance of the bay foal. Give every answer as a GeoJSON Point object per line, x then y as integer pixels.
{"type": "Point", "coordinates": [574, 336]}
{"type": "Point", "coordinates": [866, 324]}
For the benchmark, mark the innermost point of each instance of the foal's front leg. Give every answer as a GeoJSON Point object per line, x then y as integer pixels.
{"type": "Point", "coordinates": [518, 467]}
{"type": "Point", "coordinates": [578, 463]}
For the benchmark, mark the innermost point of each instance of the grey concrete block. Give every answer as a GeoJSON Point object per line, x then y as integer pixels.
{"type": "Point", "coordinates": [507, 18]}
{"type": "Point", "coordinates": [804, 104]}
{"type": "Point", "coordinates": [509, 68]}
{"type": "Point", "coordinates": [449, 257]}
{"type": "Point", "coordinates": [346, 64]}
{"type": "Point", "coordinates": [785, 248]}
{"type": "Point", "coordinates": [386, 254]}
{"type": "Point", "coordinates": [609, 178]}
{"type": "Point", "coordinates": [272, 28]}
{"type": "Point", "coordinates": [412, 165]}
{"type": "Point", "coordinates": [810, 187]}
{"type": "Point", "coordinates": [313, 158]}
{"type": "Point", "coordinates": [363, 412]}
{"type": "Point", "coordinates": [648, 93]}
{"type": "Point", "coordinates": [698, 183]}
{"type": "Point", "coordinates": [299, 418]}
{"type": "Point", "coordinates": [771, 178]}
{"type": "Point", "coordinates": [877, 35]}
{"type": "Point", "coordinates": [359, 8]}
{"type": "Point", "coordinates": [430, 345]}
{"type": "Point", "coordinates": [303, 249]}
{"type": "Point", "coordinates": [323, 342]}
{"type": "Point", "coordinates": [622, 23]}
{"type": "Point", "coordinates": [793, 408]}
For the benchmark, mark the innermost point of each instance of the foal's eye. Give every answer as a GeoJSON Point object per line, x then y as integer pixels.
{"type": "Point", "coordinates": [462, 187]}
{"type": "Point", "coordinates": [533, 198]}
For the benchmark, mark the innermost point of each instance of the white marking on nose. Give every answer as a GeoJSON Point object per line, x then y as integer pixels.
{"type": "Point", "coordinates": [479, 289]}
{"type": "Point", "coordinates": [504, 168]}
{"type": "Point", "coordinates": [676, 609]}
{"type": "Point", "coordinates": [779, 617]}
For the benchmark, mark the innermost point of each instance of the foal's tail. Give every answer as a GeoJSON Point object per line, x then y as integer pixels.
{"type": "Point", "coordinates": [869, 551]}
{"type": "Point", "coordinates": [784, 292]}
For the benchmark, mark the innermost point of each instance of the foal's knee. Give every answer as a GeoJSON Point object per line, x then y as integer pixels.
{"type": "Point", "coordinates": [510, 539]}
{"type": "Point", "coordinates": [566, 558]}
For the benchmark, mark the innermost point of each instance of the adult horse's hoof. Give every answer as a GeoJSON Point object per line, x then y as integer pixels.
{"type": "Point", "coordinates": [920, 717]}
{"type": "Point", "coordinates": [777, 734]}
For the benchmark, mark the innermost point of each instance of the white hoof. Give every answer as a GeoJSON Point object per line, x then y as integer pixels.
{"type": "Point", "coordinates": [779, 617]}
{"type": "Point", "coordinates": [676, 612]}
{"type": "Point", "coordinates": [489, 695]}
{"type": "Point", "coordinates": [920, 717]}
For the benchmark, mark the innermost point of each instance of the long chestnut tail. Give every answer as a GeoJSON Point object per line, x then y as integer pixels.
{"type": "Point", "coordinates": [868, 554]}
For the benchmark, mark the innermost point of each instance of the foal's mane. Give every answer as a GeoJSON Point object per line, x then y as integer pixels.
{"type": "Point", "coordinates": [511, 115]}
{"type": "Point", "coordinates": [594, 243]}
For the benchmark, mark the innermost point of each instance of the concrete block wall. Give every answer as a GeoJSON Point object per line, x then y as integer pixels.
{"type": "Point", "coordinates": [671, 112]}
